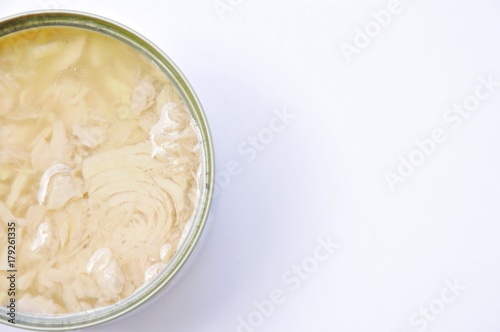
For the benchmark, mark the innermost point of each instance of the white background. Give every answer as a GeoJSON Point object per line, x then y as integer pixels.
{"type": "Point", "coordinates": [323, 174]}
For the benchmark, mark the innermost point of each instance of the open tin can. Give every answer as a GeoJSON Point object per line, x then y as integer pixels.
{"type": "Point", "coordinates": [30, 23]}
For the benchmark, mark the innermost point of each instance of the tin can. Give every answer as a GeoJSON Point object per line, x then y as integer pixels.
{"type": "Point", "coordinates": [63, 322]}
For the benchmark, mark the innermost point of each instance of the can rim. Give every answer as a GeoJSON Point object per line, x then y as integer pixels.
{"type": "Point", "coordinates": [79, 19]}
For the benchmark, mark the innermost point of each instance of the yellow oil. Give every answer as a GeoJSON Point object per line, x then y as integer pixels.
{"type": "Point", "coordinates": [78, 109]}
